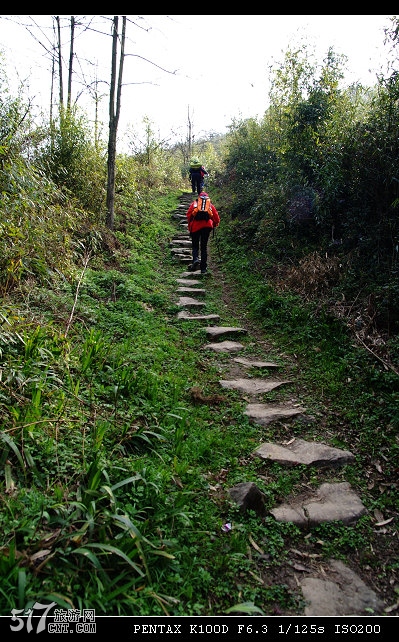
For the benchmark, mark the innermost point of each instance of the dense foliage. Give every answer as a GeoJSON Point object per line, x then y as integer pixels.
{"type": "Point", "coordinates": [313, 197]}
{"type": "Point", "coordinates": [319, 171]}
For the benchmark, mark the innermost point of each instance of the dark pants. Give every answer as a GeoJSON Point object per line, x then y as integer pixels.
{"type": "Point", "coordinates": [199, 242]}
{"type": "Point", "coordinates": [196, 182]}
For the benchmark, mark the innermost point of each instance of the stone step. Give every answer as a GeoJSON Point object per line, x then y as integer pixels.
{"type": "Point", "coordinates": [219, 331]}
{"type": "Point", "coordinates": [180, 241]}
{"type": "Point", "coordinates": [255, 364]}
{"type": "Point", "coordinates": [264, 414]}
{"type": "Point", "coordinates": [335, 502]}
{"type": "Point", "coordinates": [299, 451]}
{"type": "Point", "coordinates": [334, 589]}
{"type": "Point", "coordinates": [186, 301]}
{"type": "Point", "coordinates": [225, 346]}
{"type": "Point", "coordinates": [181, 250]}
{"type": "Point", "coordinates": [252, 386]}
{"type": "Point", "coordinates": [184, 290]}
{"type": "Point", "coordinates": [191, 273]}
{"type": "Point", "coordinates": [189, 281]}
{"type": "Point", "coordinates": [197, 317]}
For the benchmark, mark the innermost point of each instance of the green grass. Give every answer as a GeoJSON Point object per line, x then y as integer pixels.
{"type": "Point", "coordinates": [115, 482]}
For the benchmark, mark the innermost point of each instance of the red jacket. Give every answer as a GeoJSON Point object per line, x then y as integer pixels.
{"type": "Point", "coordinates": [194, 225]}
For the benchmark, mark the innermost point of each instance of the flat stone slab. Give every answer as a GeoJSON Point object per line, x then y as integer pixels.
{"type": "Point", "coordinates": [189, 301]}
{"type": "Point", "coordinates": [299, 451]}
{"type": "Point", "coordinates": [181, 250]}
{"type": "Point", "coordinates": [191, 290]}
{"type": "Point", "coordinates": [255, 364]}
{"type": "Point", "coordinates": [219, 331]}
{"type": "Point", "coordinates": [264, 414]}
{"type": "Point", "coordinates": [189, 281]}
{"type": "Point", "coordinates": [343, 593]}
{"type": "Point", "coordinates": [192, 273]}
{"type": "Point", "coordinates": [197, 317]}
{"type": "Point", "coordinates": [225, 346]}
{"type": "Point", "coordinates": [181, 242]}
{"type": "Point", "coordinates": [330, 503]}
{"type": "Point", "coordinates": [252, 386]}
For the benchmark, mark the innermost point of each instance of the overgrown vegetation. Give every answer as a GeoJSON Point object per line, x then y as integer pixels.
{"type": "Point", "coordinates": [115, 476]}
{"type": "Point", "coordinates": [315, 183]}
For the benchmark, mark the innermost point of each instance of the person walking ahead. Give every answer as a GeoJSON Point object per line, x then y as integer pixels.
{"type": "Point", "coordinates": [202, 217]}
{"type": "Point", "coordinates": [197, 172]}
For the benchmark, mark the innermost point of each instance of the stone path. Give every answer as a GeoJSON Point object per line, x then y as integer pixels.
{"type": "Point", "coordinates": [333, 589]}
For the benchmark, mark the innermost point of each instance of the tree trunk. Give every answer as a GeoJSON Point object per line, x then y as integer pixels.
{"type": "Point", "coordinates": [96, 125]}
{"type": "Point", "coordinates": [71, 61]}
{"type": "Point", "coordinates": [52, 95]}
{"type": "Point", "coordinates": [114, 112]}
{"type": "Point", "coordinates": [60, 63]}
{"type": "Point", "coordinates": [189, 133]}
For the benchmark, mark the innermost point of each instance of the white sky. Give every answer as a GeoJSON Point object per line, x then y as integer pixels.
{"type": "Point", "coordinates": [220, 62]}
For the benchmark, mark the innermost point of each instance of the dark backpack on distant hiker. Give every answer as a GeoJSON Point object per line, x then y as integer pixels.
{"type": "Point", "coordinates": [202, 209]}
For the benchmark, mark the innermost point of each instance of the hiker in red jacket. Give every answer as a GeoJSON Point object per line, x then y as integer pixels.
{"type": "Point", "coordinates": [202, 217]}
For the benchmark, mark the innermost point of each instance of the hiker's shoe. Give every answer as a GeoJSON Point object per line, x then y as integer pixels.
{"type": "Point", "coordinates": [194, 266]}
{"type": "Point", "coordinates": [204, 271]}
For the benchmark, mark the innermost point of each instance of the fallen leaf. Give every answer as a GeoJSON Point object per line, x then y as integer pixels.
{"type": "Point", "coordinates": [386, 521]}
{"type": "Point", "coordinates": [256, 547]}
{"type": "Point", "coordinates": [299, 567]}
{"type": "Point", "coordinates": [52, 535]}
{"type": "Point", "coordinates": [256, 577]}
{"type": "Point", "coordinates": [40, 554]}
{"type": "Point", "coordinates": [296, 552]}
{"type": "Point", "coordinates": [245, 607]}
